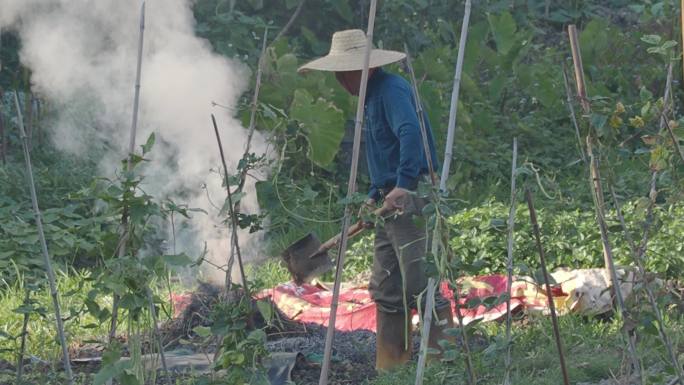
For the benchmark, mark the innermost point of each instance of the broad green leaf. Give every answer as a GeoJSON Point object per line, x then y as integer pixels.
{"type": "Point", "coordinates": [503, 28]}
{"type": "Point", "coordinates": [147, 147]}
{"type": "Point", "coordinates": [651, 39]}
{"type": "Point", "coordinates": [323, 126]}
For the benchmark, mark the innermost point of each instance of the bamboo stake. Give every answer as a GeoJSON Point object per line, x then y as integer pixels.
{"type": "Point", "coordinates": [421, 118]}
{"type": "Point", "coordinates": [597, 193]}
{"type": "Point", "coordinates": [448, 154]}
{"type": "Point", "coordinates": [3, 136]}
{"type": "Point", "coordinates": [131, 149]}
{"type": "Point", "coordinates": [547, 283]}
{"type": "Point", "coordinates": [573, 116]}
{"type": "Point", "coordinates": [233, 219]}
{"type": "Point", "coordinates": [681, 11]}
{"type": "Point", "coordinates": [579, 68]}
{"type": "Point", "coordinates": [24, 332]}
{"type": "Point", "coordinates": [351, 189]}
{"type": "Point", "coordinates": [43, 244]}
{"type": "Point", "coordinates": [638, 255]}
{"type": "Point", "coordinates": [294, 16]}
{"type": "Point", "coordinates": [425, 333]}
{"type": "Point", "coordinates": [243, 174]}
{"type": "Point", "coordinates": [509, 267]}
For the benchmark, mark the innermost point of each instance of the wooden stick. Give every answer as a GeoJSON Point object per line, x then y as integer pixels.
{"type": "Point", "coordinates": [579, 68]}
{"type": "Point", "coordinates": [157, 333]}
{"type": "Point", "coordinates": [597, 193]}
{"type": "Point", "coordinates": [573, 116]}
{"type": "Point", "coordinates": [43, 244]}
{"type": "Point", "coordinates": [3, 135]}
{"type": "Point", "coordinates": [233, 217]}
{"type": "Point", "coordinates": [638, 254]}
{"type": "Point", "coordinates": [451, 128]}
{"type": "Point", "coordinates": [287, 26]}
{"type": "Point", "coordinates": [421, 118]}
{"type": "Point", "coordinates": [509, 267]}
{"type": "Point", "coordinates": [425, 333]}
{"type": "Point", "coordinates": [131, 150]}
{"type": "Point", "coordinates": [351, 189]}
{"type": "Point", "coordinates": [681, 11]}
{"type": "Point", "coordinates": [547, 282]}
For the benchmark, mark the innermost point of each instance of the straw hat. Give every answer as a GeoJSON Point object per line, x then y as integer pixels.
{"type": "Point", "coordinates": [347, 53]}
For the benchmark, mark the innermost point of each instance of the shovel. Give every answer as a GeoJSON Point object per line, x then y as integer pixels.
{"type": "Point", "coordinates": [308, 258]}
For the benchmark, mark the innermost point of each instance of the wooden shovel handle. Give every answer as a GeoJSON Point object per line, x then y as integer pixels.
{"type": "Point", "coordinates": [353, 230]}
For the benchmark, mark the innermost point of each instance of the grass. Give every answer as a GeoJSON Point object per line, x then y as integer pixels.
{"type": "Point", "coordinates": [594, 351]}
{"type": "Point", "coordinates": [73, 287]}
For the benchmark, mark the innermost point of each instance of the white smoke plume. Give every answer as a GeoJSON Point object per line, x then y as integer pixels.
{"type": "Point", "coordinates": [83, 54]}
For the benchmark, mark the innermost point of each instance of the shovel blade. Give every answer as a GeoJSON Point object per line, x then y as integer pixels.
{"type": "Point", "coordinates": [304, 261]}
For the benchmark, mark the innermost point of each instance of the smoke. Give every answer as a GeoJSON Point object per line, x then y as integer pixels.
{"type": "Point", "coordinates": [83, 54]}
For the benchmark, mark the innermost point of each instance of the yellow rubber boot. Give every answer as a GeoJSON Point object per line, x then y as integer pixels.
{"type": "Point", "coordinates": [393, 341]}
{"type": "Point", "coordinates": [444, 320]}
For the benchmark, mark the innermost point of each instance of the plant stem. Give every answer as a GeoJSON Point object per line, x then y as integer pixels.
{"type": "Point", "coordinates": [351, 189]}
{"type": "Point", "coordinates": [451, 128]}
{"type": "Point", "coordinates": [509, 267]}
{"type": "Point", "coordinates": [131, 149]}
{"type": "Point", "coordinates": [43, 244]}
{"type": "Point", "coordinates": [157, 333]}
{"type": "Point", "coordinates": [425, 333]}
{"type": "Point", "coordinates": [24, 332]}
{"type": "Point", "coordinates": [638, 255]}
{"type": "Point", "coordinates": [547, 283]}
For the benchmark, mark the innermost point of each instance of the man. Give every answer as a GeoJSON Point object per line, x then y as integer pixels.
{"type": "Point", "coordinates": [396, 163]}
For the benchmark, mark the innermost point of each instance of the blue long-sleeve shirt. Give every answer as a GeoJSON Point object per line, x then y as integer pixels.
{"type": "Point", "coordinates": [394, 145]}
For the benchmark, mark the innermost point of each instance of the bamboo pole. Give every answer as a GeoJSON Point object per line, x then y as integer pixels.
{"type": "Point", "coordinates": [3, 135]}
{"type": "Point", "coordinates": [451, 128]}
{"type": "Point", "coordinates": [425, 333]}
{"type": "Point", "coordinates": [599, 205]}
{"type": "Point", "coordinates": [43, 244]}
{"type": "Point", "coordinates": [131, 149]}
{"type": "Point", "coordinates": [233, 218]}
{"type": "Point", "coordinates": [573, 116]}
{"type": "Point", "coordinates": [509, 267]}
{"type": "Point", "coordinates": [547, 283]}
{"type": "Point", "coordinates": [351, 189]}
{"type": "Point", "coordinates": [421, 117]}
{"type": "Point", "coordinates": [155, 326]}
{"type": "Point", "coordinates": [681, 25]}
{"type": "Point", "coordinates": [579, 68]}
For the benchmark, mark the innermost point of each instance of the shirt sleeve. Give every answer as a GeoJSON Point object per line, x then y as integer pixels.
{"type": "Point", "coordinates": [401, 115]}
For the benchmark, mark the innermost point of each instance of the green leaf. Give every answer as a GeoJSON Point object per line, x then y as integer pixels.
{"type": "Point", "coordinates": [178, 260]}
{"type": "Point", "coordinates": [651, 39]}
{"type": "Point", "coordinates": [111, 371]}
{"type": "Point", "coordinates": [323, 126]}
{"type": "Point", "coordinates": [147, 147]}
{"type": "Point", "coordinates": [503, 28]}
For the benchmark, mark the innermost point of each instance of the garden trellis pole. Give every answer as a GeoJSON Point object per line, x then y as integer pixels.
{"type": "Point", "coordinates": [233, 219]}
{"type": "Point", "coordinates": [43, 244]}
{"type": "Point", "coordinates": [451, 128]}
{"type": "Point", "coordinates": [425, 332]}
{"type": "Point", "coordinates": [547, 283]}
{"type": "Point", "coordinates": [131, 149]}
{"type": "Point", "coordinates": [509, 265]}
{"type": "Point", "coordinates": [421, 117]}
{"type": "Point", "coordinates": [599, 203]}
{"type": "Point", "coordinates": [351, 189]}
{"type": "Point", "coordinates": [24, 332]}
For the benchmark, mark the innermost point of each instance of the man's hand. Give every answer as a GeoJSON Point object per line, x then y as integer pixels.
{"type": "Point", "coordinates": [396, 199]}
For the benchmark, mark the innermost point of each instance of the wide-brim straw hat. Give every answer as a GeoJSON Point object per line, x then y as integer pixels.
{"type": "Point", "coordinates": [347, 53]}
